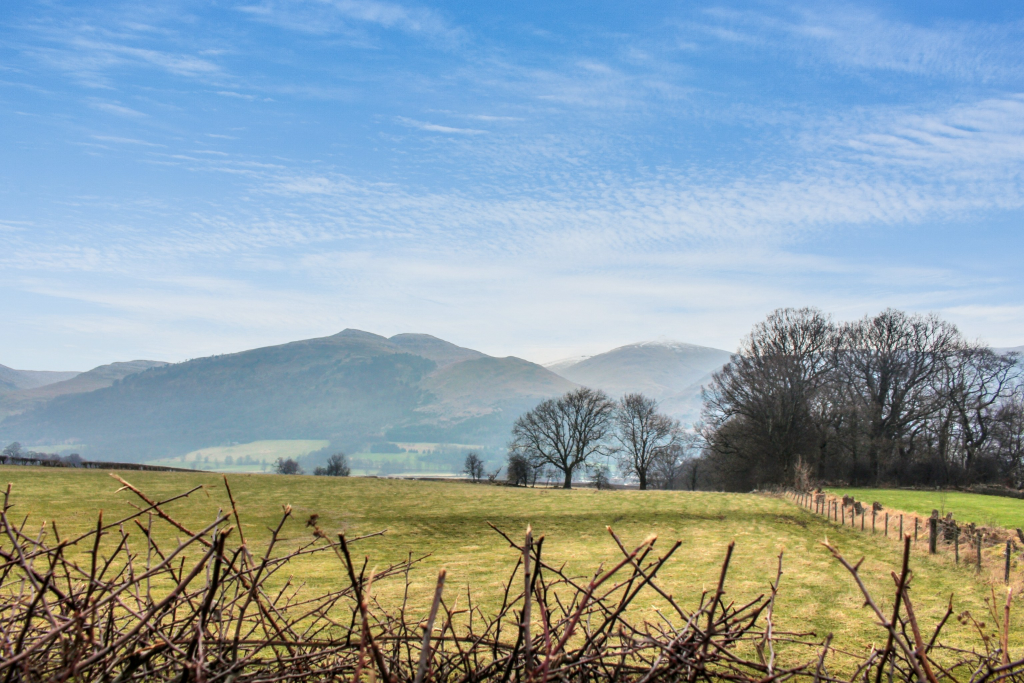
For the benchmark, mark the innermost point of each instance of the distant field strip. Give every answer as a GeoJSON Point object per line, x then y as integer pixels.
{"type": "Point", "coordinates": [254, 455]}
{"type": "Point", "coordinates": [448, 522]}
{"type": "Point", "coordinates": [966, 507]}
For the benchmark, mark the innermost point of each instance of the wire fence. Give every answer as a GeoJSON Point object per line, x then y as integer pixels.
{"type": "Point", "coordinates": [987, 548]}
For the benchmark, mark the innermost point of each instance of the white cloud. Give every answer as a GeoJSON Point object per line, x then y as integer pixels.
{"type": "Point", "coordinates": [344, 16]}
{"type": "Point", "coordinates": [182, 65]}
{"type": "Point", "coordinates": [113, 108]}
{"type": "Point", "coordinates": [230, 93]}
{"type": "Point", "coordinates": [126, 141]}
{"type": "Point", "coordinates": [858, 38]}
{"type": "Point", "coordinates": [436, 128]}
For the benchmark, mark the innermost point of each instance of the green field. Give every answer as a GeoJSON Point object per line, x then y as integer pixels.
{"type": "Point", "coordinates": [259, 456]}
{"type": "Point", "coordinates": [966, 507]}
{"type": "Point", "coordinates": [448, 521]}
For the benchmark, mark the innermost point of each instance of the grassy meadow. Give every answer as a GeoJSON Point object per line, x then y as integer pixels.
{"type": "Point", "coordinates": [448, 521]}
{"type": "Point", "coordinates": [966, 507]}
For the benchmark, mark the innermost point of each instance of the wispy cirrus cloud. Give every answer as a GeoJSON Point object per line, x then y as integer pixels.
{"type": "Point", "coordinates": [113, 53]}
{"type": "Point", "coordinates": [345, 17]}
{"type": "Point", "coordinates": [857, 37]}
{"type": "Point", "coordinates": [117, 109]}
{"type": "Point", "coordinates": [94, 62]}
{"type": "Point", "coordinates": [436, 128]}
{"type": "Point", "coordinates": [458, 170]}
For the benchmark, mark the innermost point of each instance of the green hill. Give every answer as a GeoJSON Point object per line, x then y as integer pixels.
{"type": "Point", "coordinates": [349, 388]}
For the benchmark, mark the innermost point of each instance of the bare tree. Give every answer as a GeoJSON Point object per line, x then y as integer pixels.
{"type": "Point", "coordinates": [519, 470]}
{"type": "Point", "coordinates": [474, 466]}
{"type": "Point", "coordinates": [679, 467]}
{"type": "Point", "coordinates": [566, 432]}
{"type": "Point", "coordinates": [894, 364]}
{"type": "Point", "coordinates": [337, 466]}
{"type": "Point", "coordinates": [642, 433]}
{"type": "Point", "coordinates": [759, 409]}
{"type": "Point", "coordinates": [1008, 437]}
{"type": "Point", "coordinates": [287, 466]}
{"type": "Point", "coordinates": [599, 476]}
{"type": "Point", "coordinates": [979, 382]}
{"type": "Point", "coordinates": [667, 469]}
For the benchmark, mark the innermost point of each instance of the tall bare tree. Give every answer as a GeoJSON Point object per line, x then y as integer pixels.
{"type": "Point", "coordinates": [474, 466]}
{"type": "Point", "coordinates": [1008, 438]}
{"type": "Point", "coordinates": [566, 433]}
{"type": "Point", "coordinates": [979, 383]}
{"type": "Point", "coordinates": [894, 364]}
{"type": "Point", "coordinates": [759, 408]}
{"type": "Point", "coordinates": [642, 434]}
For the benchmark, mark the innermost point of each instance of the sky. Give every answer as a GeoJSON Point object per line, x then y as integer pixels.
{"type": "Point", "coordinates": [536, 179]}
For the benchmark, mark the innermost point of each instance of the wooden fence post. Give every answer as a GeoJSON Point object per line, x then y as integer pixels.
{"type": "Point", "coordinates": [887, 525]}
{"type": "Point", "coordinates": [956, 542]}
{"type": "Point", "coordinates": [979, 551]}
{"type": "Point", "coordinates": [874, 513]}
{"type": "Point", "coordinates": [1006, 573]}
{"type": "Point", "coordinates": [901, 526]}
{"type": "Point", "coordinates": [843, 512]}
{"type": "Point", "coordinates": [916, 520]}
{"type": "Point", "coordinates": [862, 512]}
{"type": "Point", "coordinates": [933, 530]}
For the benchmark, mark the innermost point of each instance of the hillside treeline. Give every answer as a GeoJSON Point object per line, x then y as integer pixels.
{"type": "Point", "coordinates": [895, 398]}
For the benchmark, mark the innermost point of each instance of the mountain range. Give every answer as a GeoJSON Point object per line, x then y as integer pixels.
{"type": "Point", "coordinates": [15, 380]}
{"type": "Point", "coordinates": [353, 388]}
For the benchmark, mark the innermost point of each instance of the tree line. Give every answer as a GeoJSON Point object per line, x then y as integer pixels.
{"type": "Point", "coordinates": [890, 399]}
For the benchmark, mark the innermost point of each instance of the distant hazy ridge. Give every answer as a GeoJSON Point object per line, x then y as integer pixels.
{"type": "Point", "coordinates": [348, 388]}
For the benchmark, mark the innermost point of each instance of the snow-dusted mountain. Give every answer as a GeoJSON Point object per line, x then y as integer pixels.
{"type": "Point", "coordinates": [672, 372]}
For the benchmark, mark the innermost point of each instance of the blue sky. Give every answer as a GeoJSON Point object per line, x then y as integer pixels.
{"type": "Point", "coordinates": [534, 179]}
